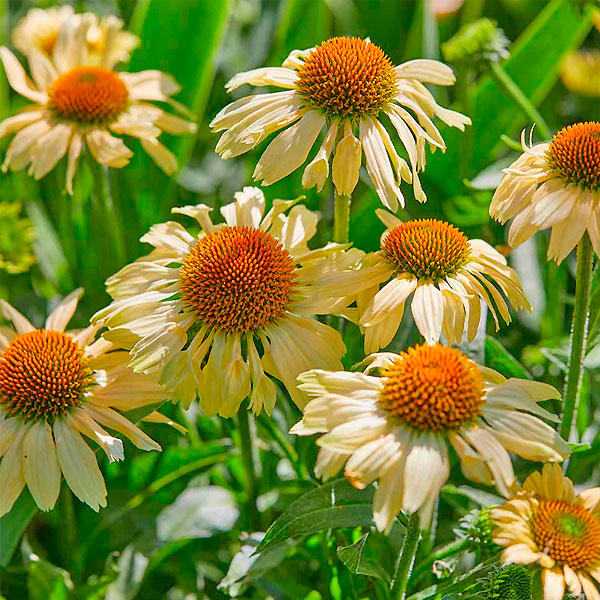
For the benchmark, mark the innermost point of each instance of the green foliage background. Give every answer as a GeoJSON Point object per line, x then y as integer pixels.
{"type": "Point", "coordinates": [177, 520]}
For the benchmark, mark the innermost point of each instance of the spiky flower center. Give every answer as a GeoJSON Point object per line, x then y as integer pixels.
{"type": "Point", "coordinates": [574, 154]}
{"type": "Point", "coordinates": [237, 279]}
{"type": "Point", "coordinates": [347, 76]}
{"type": "Point", "coordinates": [511, 582]}
{"type": "Point", "coordinates": [433, 388]}
{"type": "Point", "coordinates": [88, 95]}
{"type": "Point", "coordinates": [568, 533]}
{"type": "Point", "coordinates": [426, 248]}
{"type": "Point", "coordinates": [42, 375]}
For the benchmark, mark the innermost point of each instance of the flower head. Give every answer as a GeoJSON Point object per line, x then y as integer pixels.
{"type": "Point", "coordinates": [556, 185]}
{"type": "Point", "coordinates": [444, 271]}
{"type": "Point", "coordinates": [547, 524]}
{"type": "Point", "coordinates": [78, 100]}
{"type": "Point", "coordinates": [217, 312]}
{"type": "Point", "coordinates": [106, 42]}
{"type": "Point", "coordinates": [397, 426]}
{"type": "Point", "coordinates": [56, 386]}
{"type": "Point", "coordinates": [344, 85]}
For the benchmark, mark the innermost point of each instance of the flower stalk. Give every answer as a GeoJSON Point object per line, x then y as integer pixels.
{"type": "Point", "coordinates": [248, 438]}
{"type": "Point", "coordinates": [341, 218]}
{"type": "Point", "coordinates": [583, 283]}
{"type": "Point", "coordinates": [406, 558]}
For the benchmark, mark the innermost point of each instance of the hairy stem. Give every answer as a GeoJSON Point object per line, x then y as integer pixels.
{"type": "Point", "coordinates": [583, 285]}
{"type": "Point", "coordinates": [341, 218]}
{"type": "Point", "coordinates": [406, 558]}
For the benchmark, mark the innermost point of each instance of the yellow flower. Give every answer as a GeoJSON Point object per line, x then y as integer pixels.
{"type": "Point", "coordinates": [396, 428]}
{"type": "Point", "coordinates": [556, 185]}
{"type": "Point", "coordinates": [580, 72]}
{"type": "Point", "coordinates": [106, 42]}
{"type": "Point", "coordinates": [215, 313]}
{"type": "Point", "coordinates": [344, 85]}
{"type": "Point", "coordinates": [56, 386]}
{"type": "Point", "coordinates": [76, 102]}
{"type": "Point", "coordinates": [547, 524]}
{"type": "Point", "coordinates": [444, 271]}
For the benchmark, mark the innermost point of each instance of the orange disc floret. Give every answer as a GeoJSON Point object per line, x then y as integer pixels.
{"type": "Point", "coordinates": [237, 279]}
{"type": "Point", "coordinates": [88, 95]}
{"type": "Point", "coordinates": [42, 375]}
{"type": "Point", "coordinates": [347, 76]}
{"type": "Point", "coordinates": [568, 533]}
{"type": "Point", "coordinates": [433, 388]}
{"type": "Point", "coordinates": [426, 248]}
{"type": "Point", "coordinates": [574, 154]}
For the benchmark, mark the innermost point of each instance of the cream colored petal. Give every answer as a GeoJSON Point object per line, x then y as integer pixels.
{"type": "Point", "coordinates": [427, 71]}
{"type": "Point", "coordinates": [107, 149]}
{"type": "Point", "coordinates": [390, 298]}
{"type": "Point", "coordinates": [387, 500]}
{"type": "Point", "coordinates": [150, 85]}
{"type": "Point", "coordinates": [130, 124]}
{"type": "Point", "coordinates": [19, 121]}
{"type": "Point", "coordinates": [113, 420]}
{"type": "Point", "coordinates": [18, 79]}
{"type": "Point", "coordinates": [427, 454]}
{"type": "Point", "coordinates": [22, 148]}
{"type": "Point", "coordinates": [80, 420]}
{"type": "Point", "coordinates": [472, 463]}
{"type": "Point", "coordinates": [163, 157]}
{"type": "Point", "coordinates": [22, 325]}
{"type": "Point", "coordinates": [554, 205]}
{"type": "Point", "coordinates": [289, 149]}
{"type": "Point", "coordinates": [567, 234]}
{"type": "Point", "coordinates": [383, 332]}
{"type": "Point", "coordinates": [40, 465]}
{"type": "Point", "coordinates": [317, 170]}
{"type": "Point", "coordinates": [247, 210]}
{"type": "Point", "coordinates": [200, 212]}
{"type": "Point", "coordinates": [345, 167]}
{"type": "Point", "coordinates": [64, 311]}
{"type": "Point", "coordinates": [154, 351]}
{"type": "Point", "coordinates": [79, 466]}
{"type": "Point", "coordinates": [329, 463]}
{"type": "Point", "coordinates": [175, 125]}
{"type": "Point", "coordinates": [520, 554]}
{"type": "Point", "coordinates": [236, 377]}
{"type": "Point", "coordinates": [11, 473]}
{"type": "Point", "coordinates": [42, 69]}
{"type": "Point", "coordinates": [9, 430]}
{"type": "Point", "coordinates": [368, 462]}
{"type": "Point", "coordinates": [553, 583]}
{"type": "Point", "coordinates": [351, 435]}
{"type": "Point", "coordinates": [276, 76]}
{"type": "Point", "coordinates": [378, 165]}
{"type": "Point", "coordinates": [572, 581]}
{"type": "Point", "coordinates": [169, 236]}
{"type": "Point", "coordinates": [427, 308]}
{"type": "Point", "coordinates": [299, 226]}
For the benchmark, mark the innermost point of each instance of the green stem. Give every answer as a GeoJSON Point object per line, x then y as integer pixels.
{"type": "Point", "coordinates": [341, 218]}
{"type": "Point", "coordinates": [287, 448]}
{"type": "Point", "coordinates": [505, 82]}
{"type": "Point", "coordinates": [107, 209]}
{"type": "Point", "coordinates": [445, 552]}
{"type": "Point", "coordinates": [248, 436]}
{"type": "Point", "coordinates": [406, 558]}
{"type": "Point", "coordinates": [583, 285]}
{"type": "Point", "coordinates": [72, 555]}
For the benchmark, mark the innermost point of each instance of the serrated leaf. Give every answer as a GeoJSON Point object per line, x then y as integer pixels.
{"type": "Point", "coordinates": [353, 559]}
{"type": "Point", "coordinates": [335, 504]}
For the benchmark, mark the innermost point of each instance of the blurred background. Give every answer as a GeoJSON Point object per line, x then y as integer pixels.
{"type": "Point", "coordinates": [51, 243]}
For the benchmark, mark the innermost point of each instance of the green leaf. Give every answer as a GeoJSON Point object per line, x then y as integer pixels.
{"type": "Point", "coordinates": [335, 504]}
{"type": "Point", "coordinates": [480, 497]}
{"type": "Point", "coordinates": [497, 357]}
{"type": "Point", "coordinates": [45, 581]}
{"type": "Point", "coordinates": [352, 557]}
{"type": "Point", "coordinates": [14, 524]}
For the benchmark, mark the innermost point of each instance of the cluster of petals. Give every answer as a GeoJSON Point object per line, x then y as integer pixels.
{"type": "Point", "coordinates": [149, 317]}
{"type": "Point", "coordinates": [573, 562]}
{"type": "Point", "coordinates": [35, 452]}
{"type": "Point", "coordinates": [372, 445]}
{"type": "Point", "coordinates": [250, 120]}
{"type": "Point", "coordinates": [44, 136]}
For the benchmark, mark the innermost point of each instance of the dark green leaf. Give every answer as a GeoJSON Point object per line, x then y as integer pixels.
{"type": "Point", "coordinates": [13, 525]}
{"type": "Point", "coordinates": [497, 357]}
{"type": "Point", "coordinates": [352, 557]}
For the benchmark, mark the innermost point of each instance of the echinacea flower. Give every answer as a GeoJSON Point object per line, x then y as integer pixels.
{"type": "Point", "coordinates": [55, 387]}
{"type": "Point", "coordinates": [547, 524]}
{"type": "Point", "coordinates": [215, 313]}
{"type": "Point", "coordinates": [395, 428]}
{"type": "Point", "coordinates": [106, 42]}
{"type": "Point", "coordinates": [343, 85]}
{"type": "Point", "coordinates": [77, 103]}
{"type": "Point", "coordinates": [445, 273]}
{"type": "Point", "coordinates": [580, 72]}
{"type": "Point", "coordinates": [554, 185]}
